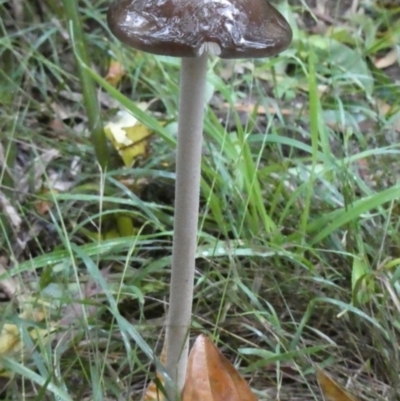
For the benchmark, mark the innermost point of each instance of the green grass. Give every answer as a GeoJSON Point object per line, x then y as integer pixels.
{"type": "Point", "coordinates": [298, 259]}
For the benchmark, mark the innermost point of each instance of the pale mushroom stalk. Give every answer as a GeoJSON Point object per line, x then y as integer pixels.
{"type": "Point", "coordinates": [190, 29]}
{"type": "Point", "coordinates": [187, 193]}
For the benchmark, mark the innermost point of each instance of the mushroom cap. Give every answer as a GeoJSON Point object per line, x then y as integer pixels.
{"type": "Point", "coordinates": [184, 28]}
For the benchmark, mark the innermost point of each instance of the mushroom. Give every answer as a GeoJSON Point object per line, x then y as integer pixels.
{"type": "Point", "coordinates": [192, 29]}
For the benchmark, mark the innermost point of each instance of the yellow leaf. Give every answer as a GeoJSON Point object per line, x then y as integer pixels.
{"type": "Point", "coordinates": [128, 137]}
{"type": "Point", "coordinates": [139, 147]}
{"type": "Point", "coordinates": [9, 339]}
{"type": "Point", "coordinates": [10, 335]}
{"type": "Point", "coordinates": [211, 377]}
{"type": "Point", "coordinates": [331, 390]}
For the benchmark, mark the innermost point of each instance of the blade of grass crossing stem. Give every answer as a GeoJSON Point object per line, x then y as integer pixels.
{"type": "Point", "coordinates": [88, 89]}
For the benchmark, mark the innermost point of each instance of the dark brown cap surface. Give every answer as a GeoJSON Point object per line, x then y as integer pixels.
{"type": "Point", "coordinates": [183, 28]}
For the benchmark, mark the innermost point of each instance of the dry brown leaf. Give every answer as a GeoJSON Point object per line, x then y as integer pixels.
{"type": "Point", "coordinates": [211, 377]}
{"type": "Point", "coordinates": [390, 112]}
{"type": "Point", "coordinates": [115, 73]}
{"type": "Point", "coordinates": [43, 206]}
{"type": "Point", "coordinates": [389, 59]}
{"type": "Point", "coordinates": [331, 390]}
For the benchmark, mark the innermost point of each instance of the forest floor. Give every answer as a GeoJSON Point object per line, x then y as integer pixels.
{"type": "Point", "coordinates": [299, 247]}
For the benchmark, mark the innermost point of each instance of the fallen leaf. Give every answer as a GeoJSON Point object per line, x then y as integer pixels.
{"type": "Point", "coordinates": [10, 212]}
{"type": "Point", "coordinates": [211, 377]}
{"type": "Point", "coordinates": [11, 343]}
{"type": "Point", "coordinates": [128, 136]}
{"type": "Point", "coordinates": [331, 390]}
{"type": "Point", "coordinates": [115, 73]}
{"type": "Point", "coordinates": [389, 59]}
{"type": "Point", "coordinates": [43, 206]}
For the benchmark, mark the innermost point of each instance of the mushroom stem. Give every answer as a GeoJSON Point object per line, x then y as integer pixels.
{"type": "Point", "coordinates": [187, 192]}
